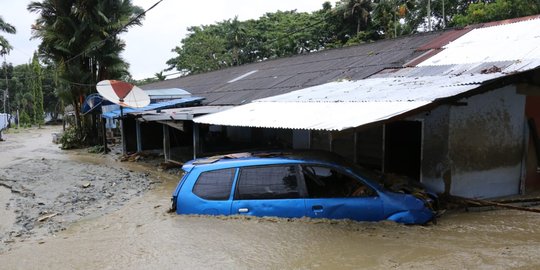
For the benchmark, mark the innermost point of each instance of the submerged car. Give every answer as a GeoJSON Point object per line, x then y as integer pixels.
{"type": "Point", "coordinates": [292, 185]}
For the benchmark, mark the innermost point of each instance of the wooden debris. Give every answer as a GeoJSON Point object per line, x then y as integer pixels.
{"type": "Point", "coordinates": [46, 217]}
{"type": "Point", "coordinates": [477, 202]}
{"type": "Point", "coordinates": [170, 164]}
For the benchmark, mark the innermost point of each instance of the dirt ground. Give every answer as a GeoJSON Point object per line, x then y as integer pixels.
{"type": "Point", "coordinates": [51, 189]}
{"type": "Point", "coordinates": [75, 210]}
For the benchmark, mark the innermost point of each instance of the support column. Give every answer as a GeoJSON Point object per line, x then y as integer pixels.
{"type": "Point", "coordinates": [355, 150]}
{"type": "Point", "coordinates": [122, 131]}
{"type": "Point", "coordinates": [195, 140]}
{"type": "Point", "coordinates": [166, 143]}
{"type": "Point", "coordinates": [139, 137]}
{"type": "Point", "coordinates": [104, 134]}
{"type": "Point", "coordinates": [330, 143]}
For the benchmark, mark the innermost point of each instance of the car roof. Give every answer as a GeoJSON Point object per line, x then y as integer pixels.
{"type": "Point", "coordinates": [264, 158]}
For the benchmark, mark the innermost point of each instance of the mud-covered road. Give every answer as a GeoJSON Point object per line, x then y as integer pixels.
{"type": "Point", "coordinates": [105, 214]}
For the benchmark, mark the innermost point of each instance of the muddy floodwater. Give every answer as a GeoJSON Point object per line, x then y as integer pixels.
{"type": "Point", "coordinates": [136, 232]}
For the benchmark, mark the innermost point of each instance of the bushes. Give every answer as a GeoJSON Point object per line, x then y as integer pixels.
{"type": "Point", "coordinates": [71, 138]}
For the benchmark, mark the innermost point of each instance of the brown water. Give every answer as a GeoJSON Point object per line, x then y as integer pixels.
{"type": "Point", "coordinates": [141, 235]}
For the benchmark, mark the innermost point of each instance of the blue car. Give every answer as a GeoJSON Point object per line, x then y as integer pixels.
{"type": "Point", "coordinates": [291, 185]}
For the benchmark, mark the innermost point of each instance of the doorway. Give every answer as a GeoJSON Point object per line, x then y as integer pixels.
{"type": "Point", "coordinates": [403, 148]}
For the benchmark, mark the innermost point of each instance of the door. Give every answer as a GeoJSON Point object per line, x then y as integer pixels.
{"type": "Point", "coordinates": [269, 191]}
{"type": "Point", "coordinates": [206, 194]}
{"type": "Point", "coordinates": [337, 195]}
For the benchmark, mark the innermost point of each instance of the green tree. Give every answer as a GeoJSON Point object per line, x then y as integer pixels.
{"type": "Point", "coordinates": [37, 91]}
{"type": "Point", "coordinates": [80, 37]}
{"type": "Point", "coordinates": [20, 88]}
{"type": "Point", "coordinates": [5, 47]}
{"type": "Point", "coordinates": [497, 10]}
{"type": "Point", "coordinates": [357, 13]}
{"type": "Point", "coordinates": [233, 42]}
{"type": "Point", "coordinates": [203, 50]}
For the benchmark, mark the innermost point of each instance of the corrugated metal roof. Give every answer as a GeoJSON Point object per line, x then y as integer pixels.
{"type": "Point", "coordinates": [342, 105]}
{"type": "Point", "coordinates": [153, 106]}
{"type": "Point", "coordinates": [444, 39]}
{"type": "Point", "coordinates": [503, 42]}
{"type": "Point", "coordinates": [180, 113]}
{"type": "Point", "coordinates": [169, 92]}
{"type": "Point", "coordinates": [278, 76]}
{"type": "Point", "coordinates": [308, 115]}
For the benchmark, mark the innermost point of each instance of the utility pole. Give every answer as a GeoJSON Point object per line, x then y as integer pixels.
{"type": "Point", "coordinates": [443, 16]}
{"type": "Point", "coordinates": [429, 16]}
{"type": "Point", "coordinates": [6, 92]}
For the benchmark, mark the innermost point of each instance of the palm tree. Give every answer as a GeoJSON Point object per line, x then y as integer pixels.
{"type": "Point", "coordinates": [81, 39]}
{"type": "Point", "coordinates": [5, 47]}
{"type": "Point", "coordinates": [357, 9]}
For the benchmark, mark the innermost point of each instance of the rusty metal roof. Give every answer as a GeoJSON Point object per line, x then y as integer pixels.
{"type": "Point", "coordinates": [242, 84]}
{"type": "Point", "coordinates": [518, 41]}
{"type": "Point", "coordinates": [475, 58]}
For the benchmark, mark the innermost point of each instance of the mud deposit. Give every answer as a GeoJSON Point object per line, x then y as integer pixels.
{"type": "Point", "coordinates": [48, 195]}
{"type": "Point", "coordinates": [140, 234]}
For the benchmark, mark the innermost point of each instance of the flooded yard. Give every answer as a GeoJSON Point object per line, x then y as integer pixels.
{"type": "Point", "coordinates": [138, 233]}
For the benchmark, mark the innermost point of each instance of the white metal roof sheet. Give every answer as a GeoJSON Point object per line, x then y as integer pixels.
{"type": "Point", "coordinates": [387, 89]}
{"type": "Point", "coordinates": [506, 42]}
{"type": "Point", "coordinates": [343, 105]}
{"type": "Point", "coordinates": [308, 115]}
{"type": "Point", "coordinates": [167, 92]}
{"type": "Point", "coordinates": [186, 113]}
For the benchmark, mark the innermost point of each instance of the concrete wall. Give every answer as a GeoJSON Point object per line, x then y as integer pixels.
{"type": "Point", "coordinates": [435, 162]}
{"type": "Point", "coordinates": [485, 144]}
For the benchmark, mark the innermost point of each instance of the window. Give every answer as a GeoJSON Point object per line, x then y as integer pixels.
{"type": "Point", "coordinates": [214, 185]}
{"type": "Point", "coordinates": [270, 182]}
{"type": "Point", "coordinates": [324, 182]}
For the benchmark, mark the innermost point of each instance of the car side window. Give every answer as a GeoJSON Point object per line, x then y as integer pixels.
{"type": "Point", "coordinates": [325, 182]}
{"type": "Point", "coordinates": [267, 182]}
{"type": "Point", "coordinates": [214, 185]}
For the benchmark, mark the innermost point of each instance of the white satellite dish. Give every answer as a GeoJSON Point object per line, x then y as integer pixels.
{"type": "Point", "coordinates": [123, 93]}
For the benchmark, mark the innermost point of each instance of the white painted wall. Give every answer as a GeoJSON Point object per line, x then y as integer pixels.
{"type": "Point", "coordinates": [475, 150]}
{"type": "Point", "coordinates": [486, 144]}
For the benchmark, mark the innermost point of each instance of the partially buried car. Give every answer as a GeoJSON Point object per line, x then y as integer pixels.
{"type": "Point", "coordinates": [292, 185]}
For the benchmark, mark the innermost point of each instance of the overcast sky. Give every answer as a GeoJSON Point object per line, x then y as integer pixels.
{"type": "Point", "coordinates": [149, 46]}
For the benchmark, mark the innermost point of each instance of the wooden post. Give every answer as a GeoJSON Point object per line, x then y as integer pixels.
{"type": "Point", "coordinates": [138, 134]}
{"type": "Point", "coordinates": [122, 132]}
{"type": "Point", "coordinates": [195, 140]}
{"type": "Point", "coordinates": [330, 143]}
{"type": "Point", "coordinates": [166, 143]}
{"type": "Point", "coordinates": [355, 150]}
{"type": "Point", "coordinates": [104, 134]}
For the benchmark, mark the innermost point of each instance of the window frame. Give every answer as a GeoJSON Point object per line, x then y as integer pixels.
{"type": "Point", "coordinates": [339, 170]}
{"type": "Point", "coordinates": [233, 180]}
{"type": "Point", "coordinates": [301, 185]}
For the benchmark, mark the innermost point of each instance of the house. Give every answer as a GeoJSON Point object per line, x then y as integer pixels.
{"type": "Point", "coordinates": [456, 110]}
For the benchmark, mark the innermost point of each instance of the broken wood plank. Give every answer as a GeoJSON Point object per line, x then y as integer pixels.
{"type": "Point", "coordinates": [522, 200]}
{"type": "Point", "coordinates": [45, 217]}
{"type": "Point", "coordinates": [492, 203]}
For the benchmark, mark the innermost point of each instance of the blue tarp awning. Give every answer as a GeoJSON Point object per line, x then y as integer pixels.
{"type": "Point", "coordinates": [154, 106]}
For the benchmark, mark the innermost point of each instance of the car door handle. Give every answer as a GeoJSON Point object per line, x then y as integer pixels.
{"type": "Point", "coordinates": [243, 210]}
{"type": "Point", "coordinates": [317, 208]}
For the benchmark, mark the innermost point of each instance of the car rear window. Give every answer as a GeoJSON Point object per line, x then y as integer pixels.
{"type": "Point", "coordinates": [214, 185]}
{"type": "Point", "coordinates": [268, 182]}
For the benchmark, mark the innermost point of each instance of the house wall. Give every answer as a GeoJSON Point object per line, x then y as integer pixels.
{"type": "Point", "coordinates": [435, 162]}
{"type": "Point", "coordinates": [300, 139]}
{"type": "Point", "coordinates": [485, 144]}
